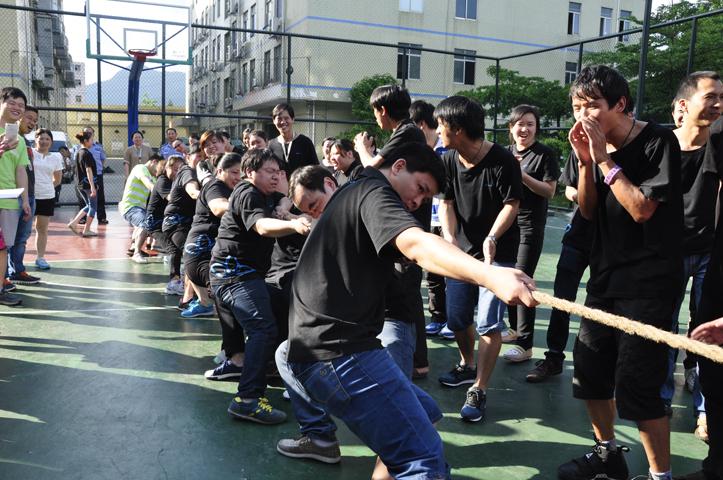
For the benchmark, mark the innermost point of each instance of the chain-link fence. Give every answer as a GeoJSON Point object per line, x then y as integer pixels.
{"type": "Point", "coordinates": [238, 75]}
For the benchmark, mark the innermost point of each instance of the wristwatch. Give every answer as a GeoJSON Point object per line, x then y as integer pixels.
{"type": "Point", "coordinates": [493, 238]}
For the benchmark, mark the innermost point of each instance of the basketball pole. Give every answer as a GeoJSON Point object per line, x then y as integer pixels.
{"type": "Point", "coordinates": [133, 92]}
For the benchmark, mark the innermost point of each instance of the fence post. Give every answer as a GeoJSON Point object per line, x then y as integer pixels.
{"type": "Point", "coordinates": [643, 59]}
{"type": "Point", "coordinates": [497, 100]}
{"type": "Point", "coordinates": [163, 86]}
{"type": "Point", "coordinates": [99, 137]}
{"type": "Point", "coordinates": [289, 69]}
{"type": "Point", "coordinates": [691, 48]}
{"type": "Point", "coordinates": [405, 65]}
{"type": "Point", "coordinates": [580, 49]}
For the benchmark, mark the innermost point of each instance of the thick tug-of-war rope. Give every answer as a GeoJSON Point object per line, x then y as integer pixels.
{"type": "Point", "coordinates": [632, 327]}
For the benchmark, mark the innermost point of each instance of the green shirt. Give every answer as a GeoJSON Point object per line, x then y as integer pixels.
{"type": "Point", "coordinates": [9, 162]}
{"type": "Point", "coordinates": [136, 193]}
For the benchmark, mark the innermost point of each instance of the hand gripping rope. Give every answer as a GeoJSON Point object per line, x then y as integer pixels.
{"type": "Point", "coordinates": [632, 327]}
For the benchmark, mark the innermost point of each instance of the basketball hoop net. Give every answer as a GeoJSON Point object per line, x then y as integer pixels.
{"type": "Point", "coordinates": [141, 54]}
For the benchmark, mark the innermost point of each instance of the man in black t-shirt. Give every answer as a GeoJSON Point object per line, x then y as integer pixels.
{"type": "Point", "coordinates": [239, 261]}
{"type": "Point", "coordinates": [336, 315]}
{"type": "Point", "coordinates": [629, 187]}
{"type": "Point", "coordinates": [478, 211]}
{"type": "Point", "coordinates": [296, 150]}
{"type": "Point", "coordinates": [390, 104]}
{"type": "Point", "coordinates": [699, 96]}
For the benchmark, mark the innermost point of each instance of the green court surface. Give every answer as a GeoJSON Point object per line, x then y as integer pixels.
{"type": "Point", "coordinates": [100, 378]}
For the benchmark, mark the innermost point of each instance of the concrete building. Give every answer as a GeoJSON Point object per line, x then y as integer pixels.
{"type": "Point", "coordinates": [35, 57]}
{"type": "Point", "coordinates": [237, 72]}
{"type": "Point", "coordinates": [76, 94]}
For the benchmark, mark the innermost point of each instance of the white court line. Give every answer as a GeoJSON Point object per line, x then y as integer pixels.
{"type": "Point", "coordinates": [115, 289]}
{"type": "Point", "coordinates": [49, 312]}
{"type": "Point", "coordinates": [95, 259]}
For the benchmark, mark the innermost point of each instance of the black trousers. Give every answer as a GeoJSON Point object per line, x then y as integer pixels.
{"type": "Point", "coordinates": [522, 318]}
{"type": "Point", "coordinates": [102, 216]}
{"type": "Point", "coordinates": [436, 294]}
{"type": "Point", "coordinates": [173, 240]}
{"type": "Point", "coordinates": [711, 381]}
{"type": "Point", "coordinates": [570, 268]}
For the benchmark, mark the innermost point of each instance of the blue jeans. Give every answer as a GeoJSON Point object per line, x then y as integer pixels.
{"type": "Point", "coordinates": [462, 298]}
{"type": "Point", "coordinates": [400, 338]}
{"type": "Point", "coordinates": [368, 391]}
{"type": "Point", "coordinates": [693, 266]}
{"type": "Point", "coordinates": [250, 304]}
{"type": "Point", "coordinates": [16, 252]}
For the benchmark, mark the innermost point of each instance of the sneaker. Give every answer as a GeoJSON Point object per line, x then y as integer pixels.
{"type": "Point", "coordinates": [42, 264]}
{"type": "Point", "coordinates": [138, 258]}
{"type": "Point", "coordinates": [446, 333]}
{"type": "Point", "coordinates": [517, 354]}
{"type": "Point", "coordinates": [305, 447]}
{"type": "Point", "coordinates": [9, 299]}
{"type": "Point", "coordinates": [184, 305]}
{"type": "Point", "coordinates": [8, 286]}
{"type": "Point", "coordinates": [474, 407]}
{"type": "Point", "coordinates": [24, 278]}
{"type": "Point", "coordinates": [434, 327]}
{"type": "Point", "coordinates": [89, 233]}
{"type": "Point", "coordinates": [691, 378]}
{"type": "Point", "coordinates": [544, 369]}
{"type": "Point", "coordinates": [257, 410]}
{"type": "Point", "coordinates": [591, 465]}
{"type": "Point", "coordinates": [198, 310]}
{"type": "Point", "coordinates": [224, 371]}
{"type": "Point", "coordinates": [509, 336]}
{"type": "Point", "coordinates": [701, 429]}
{"type": "Point", "coordinates": [103, 222]}
{"type": "Point", "coordinates": [459, 375]}
{"type": "Point", "coordinates": [174, 287]}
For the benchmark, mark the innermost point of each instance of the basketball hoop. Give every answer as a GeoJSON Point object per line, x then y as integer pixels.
{"type": "Point", "coordinates": [141, 54]}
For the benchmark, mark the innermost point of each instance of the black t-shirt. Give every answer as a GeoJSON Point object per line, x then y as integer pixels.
{"type": "Point", "coordinates": [540, 163]}
{"type": "Point", "coordinates": [346, 264]}
{"type": "Point", "coordinates": [700, 180]}
{"type": "Point", "coordinates": [350, 173]}
{"type": "Point", "coordinates": [84, 159]}
{"type": "Point", "coordinates": [478, 195]}
{"type": "Point", "coordinates": [406, 132]}
{"type": "Point", "coordinates": [284, 258]}
{"type": "Point", "coordinates": [157, 202]}
{"type": "Point", "coordinates": [299, 153]}
{"type": "Point", "coordinates": [578, 233]}
{"type": "Point", "coordinates": [180, 202]}
{"type": "Point", "coordinates": [205, 223]}
{"type": "Point", "coordinates": [240, 251]}
{"type": "Point", "coordinates": [640, 260]}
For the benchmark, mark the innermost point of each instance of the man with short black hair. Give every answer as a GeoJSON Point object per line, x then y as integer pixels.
{"type": "Point", "coordinates": [629, 187]}
{"type": "Point", "coordinates": [334, 353]}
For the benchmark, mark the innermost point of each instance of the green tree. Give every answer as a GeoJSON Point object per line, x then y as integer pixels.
{"type": "Point", "coordinates": [667, 55]}
{"type": "Point", "coordinates": [514, 89]}
{"type": "Point", "coordinates": [360, 109]}
{"type": "Point", "coordinates": [148, 102]}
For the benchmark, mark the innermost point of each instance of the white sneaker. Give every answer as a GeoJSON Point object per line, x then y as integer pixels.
{"type": "Point", "coordinates": [517, 354]}
{"type": "Point", "coordinates": [174, 287]}
{"type": "Point", "coordinates": [138, 258]}
{"type": "Point", "coordinates": [509, 336]}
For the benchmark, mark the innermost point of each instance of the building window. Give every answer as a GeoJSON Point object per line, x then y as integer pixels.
{"type": "Point", "coordinates": [267, 14]}
{"type": "Point", "coordinates": [232, 83]}
{"type": "Point", "coordinates": [570, 72]}
{"type": "Point", "coordinates": [624, 23]}
{"type": "Point", "coordinates": [252, 25]}
{"type": "Point", "coordinates": [573, 18]}
{"type": "Point", "coordinates": [227, 88]}
{"type": "Point", "coordinates": [464, 63]}
{"type": "Point", "coordinates": [466, 9]}
{"type": "Point", "coordinates": [244, 78]}
{"type": "Point", "coordinates": [416, 6]}
{"type": "Point", "coordinates": [409, 61]}
{"type": "Point", "coordinates": [252, 74]}
{"type": "Point", "coordinates": [277, 63]}
{"type": "Point", "coordinates": [78, 99]}
{"type": "Point", "coordinates": [267, 67]}
{"type": "Point", "coordinates": [606, 21]}
{"type": "Point", "coordinates": [279, 8]}
{"type": "Point", "coordinates": [218, 9]}
{"type": "Point", "coordinates": [245, 25]}
{"type": "Point", "coordinates": [213, 51]}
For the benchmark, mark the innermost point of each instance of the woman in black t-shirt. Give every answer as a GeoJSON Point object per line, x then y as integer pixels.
{"type": "Point", "coordinates": [87, 185]}
{"type": "Point", "coordinates": [540, 171]}
{"type": "Point", "coordinates": [296, 150]}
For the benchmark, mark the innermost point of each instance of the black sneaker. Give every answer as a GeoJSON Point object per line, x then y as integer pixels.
{"type": "Point", "coordinates": [103, 222]}
{"type": "Point", "coordinates": [544, 369]}
{"type": "Point", "coordinates": [257, 410]}
{"type": "Point", "coordinates": [305, 447]}
{"type": "Point", "coordinates": [592, 466]}
{"type": "Point", "coordinates": [474, 407]}
{"type": "Point", "coordinates": [9, 299]}
{"type": "Point", "coordinates": [459, 375]}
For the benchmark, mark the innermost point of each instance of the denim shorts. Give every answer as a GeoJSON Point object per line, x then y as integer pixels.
{"type": "Point", "coordinates": [136, 216]}
{"type": "Point", "coordinates": [462, 298]}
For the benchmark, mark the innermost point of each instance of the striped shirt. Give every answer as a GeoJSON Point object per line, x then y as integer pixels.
{"type": "Point", "coordinates": [136, 193]}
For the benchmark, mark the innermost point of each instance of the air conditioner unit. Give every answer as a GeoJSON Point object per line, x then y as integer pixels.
{"type": "Point", "coordinates": [201, 105]}
{"type": "Point", "coordinates": [234, 8]}
{"type": "Point", "coordinates": [228, 103]}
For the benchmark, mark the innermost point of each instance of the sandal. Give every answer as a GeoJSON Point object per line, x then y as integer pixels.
{"type": "Point", "coordinates": [89, 233]}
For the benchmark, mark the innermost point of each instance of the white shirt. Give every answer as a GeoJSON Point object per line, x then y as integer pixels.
{"type": "Point", "coordinates": [45, 165]}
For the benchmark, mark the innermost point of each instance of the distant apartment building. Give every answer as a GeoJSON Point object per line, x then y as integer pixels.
{"type": "Point", "coordinates": [76, 94]}
{"type": "Point", "coordinates": [35, 58]}
{"type": "Point", "coordinates": [245, 73]}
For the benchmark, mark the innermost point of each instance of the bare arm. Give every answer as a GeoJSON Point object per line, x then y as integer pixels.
{"type": "Point", "coordinates": [629, 195]}
{"type": "Point", "coordinates": [363, 146]}
{"type": "Point", "coordinates": [192, 189]}
{"type": "Point", "coordinates": [21, 181]}
{"type": "Point", "coordinates": [586, 191]}
{"type": "Point", "coordinates": [504, 220]}
{"type": "Point", "coordinates": [571, 194]}
{"type": "Point", "coordinates": [218, 206]}
{"type": "Point", "coordinates": [57, 177]}
{"type": "Point", "coordinates": [448, 220]}
{"type": "Point", "coordinates": [438, 256]}
{"type": "Point", "coordinates": [272, 227]}
{"type": "Point", "coordinates": [539, 187]}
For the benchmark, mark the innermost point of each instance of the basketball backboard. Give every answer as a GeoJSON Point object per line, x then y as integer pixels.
{"type": "Point", "coordinates": [115, 27]}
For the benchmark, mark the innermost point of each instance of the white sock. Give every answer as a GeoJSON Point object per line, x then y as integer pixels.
{"type": "Point", "coordinates": [661, 476]}
{"type": "Point", "coordinates": [608, 446]}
